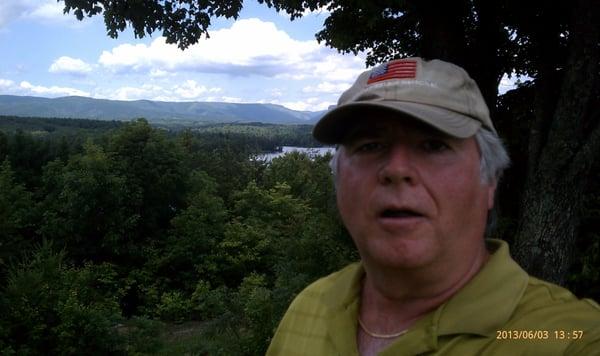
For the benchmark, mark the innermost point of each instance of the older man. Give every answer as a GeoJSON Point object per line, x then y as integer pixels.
{"type": "Point", "coordinates": [416, 173]}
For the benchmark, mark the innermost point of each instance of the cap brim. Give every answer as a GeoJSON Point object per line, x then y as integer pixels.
{"type": "Point", "coordinates": [333, 126]}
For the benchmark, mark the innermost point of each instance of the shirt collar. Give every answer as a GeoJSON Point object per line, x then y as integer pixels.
{"type": "Point", "coordinates": [345, 289]}
{"type": "Point", "coordinates": [494, 292]}
{"type": "Point", "coordinates": [341, 299]}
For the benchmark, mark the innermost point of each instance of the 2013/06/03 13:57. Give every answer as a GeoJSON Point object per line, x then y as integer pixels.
{"type": "Point", "coordinates": [538, 334]}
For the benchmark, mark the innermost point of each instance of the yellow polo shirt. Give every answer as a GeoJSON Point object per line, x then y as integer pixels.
{"type": "Point", "coordinates": [501, 311]}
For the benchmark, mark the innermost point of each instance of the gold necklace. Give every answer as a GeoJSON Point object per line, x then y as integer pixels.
{"type": "Point", "coordinates": [380, 336]}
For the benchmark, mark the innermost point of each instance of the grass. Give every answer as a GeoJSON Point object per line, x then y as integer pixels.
{"type": "Point", "coordinates": [183, 339]}
{"type": "Point", "coordinates": [152, 337]}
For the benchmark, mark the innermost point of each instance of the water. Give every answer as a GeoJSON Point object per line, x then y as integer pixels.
{"type": "Point", "coordinates": [311, 151]}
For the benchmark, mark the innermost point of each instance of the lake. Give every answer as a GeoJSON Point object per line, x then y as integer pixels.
{"type": "Point", "coordinates": [311, 151]}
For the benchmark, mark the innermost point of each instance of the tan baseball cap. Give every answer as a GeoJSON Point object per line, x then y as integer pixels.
{"type": "Point", "coordinates": [435, 92]}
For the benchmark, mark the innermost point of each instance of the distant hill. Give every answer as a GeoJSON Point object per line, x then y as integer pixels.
{"type": "Point", "coordinates": [154, 111]}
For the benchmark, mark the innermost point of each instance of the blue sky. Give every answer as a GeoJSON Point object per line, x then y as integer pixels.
{"type": "Point", "coordinates": [262, 57]}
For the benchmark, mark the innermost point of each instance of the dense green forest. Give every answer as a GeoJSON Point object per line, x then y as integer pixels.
{"type": "Point", "coordinates": [113, 234]}
{"type": "Point", "coordinates": [124, 238]}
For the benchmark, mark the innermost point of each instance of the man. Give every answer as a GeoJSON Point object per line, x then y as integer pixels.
{"type": "Point", "coordinates": [416, 170]}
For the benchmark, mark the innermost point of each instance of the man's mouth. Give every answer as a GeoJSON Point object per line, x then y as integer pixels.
{"type": "Point", "coordinates": [400, 213]}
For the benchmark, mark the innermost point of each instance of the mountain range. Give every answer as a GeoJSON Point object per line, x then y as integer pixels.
{"type": "Point", "coordinates": [154, 111]}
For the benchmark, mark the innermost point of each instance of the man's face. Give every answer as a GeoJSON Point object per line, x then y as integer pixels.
{"type": "Point", "coordinates": [411, 196]}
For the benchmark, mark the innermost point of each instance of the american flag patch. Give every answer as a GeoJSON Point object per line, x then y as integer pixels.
{"type": "Point", "coordinates": [401, 69]}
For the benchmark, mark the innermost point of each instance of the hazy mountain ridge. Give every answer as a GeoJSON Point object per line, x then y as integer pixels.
{"type": "Point", "coordinates": [104, 109]}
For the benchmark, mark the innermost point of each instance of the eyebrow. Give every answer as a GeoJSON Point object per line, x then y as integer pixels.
{"type": "Point", "coordinates": [366, 129]}
{"type": "Point", "coordinates": [360, 131]}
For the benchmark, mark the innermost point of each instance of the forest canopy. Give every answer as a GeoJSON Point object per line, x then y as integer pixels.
{"type": "Point", "coordinates": [112, 235]}
{"type": "Point", "coordinates": [553, 123]}
{"type": "Point", "coordinates": [108, 233]}
{"type": "Point", "coordinates": [118, 238]}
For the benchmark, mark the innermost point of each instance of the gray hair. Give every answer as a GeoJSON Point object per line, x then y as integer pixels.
{"type": "Point", "coordinates": [494, 157]}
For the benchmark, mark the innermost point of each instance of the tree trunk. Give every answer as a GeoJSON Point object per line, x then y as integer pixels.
{"type": "Point", "coordinates": [485, 67]}
{"type": "Point", "coordinates": [564, 146]}
{"type": "Point", "coordinates": [442, 30]}
{"type": "Point", "coordinates": [444, 37]}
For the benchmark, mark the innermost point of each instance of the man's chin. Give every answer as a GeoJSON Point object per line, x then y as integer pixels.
{"type": "Point", "coordinates": [401, 227]}
{"type": "Point", "coordinates": [401, 252]}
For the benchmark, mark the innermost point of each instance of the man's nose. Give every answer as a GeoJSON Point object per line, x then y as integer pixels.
{"type": "Point", "coordinates": [398, 167]}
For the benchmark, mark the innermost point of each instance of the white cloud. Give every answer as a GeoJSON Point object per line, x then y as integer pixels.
{"type": "Point", "coordinates": [126, 56]}
{"type": "Point", "coordinates": [340, 68]}
{"type": "Point", "coordinates": [49, 11]}
{"type": "Point", "coordinates": [10, 10]}
{"type": "Point", "coordinates": [295, 105]}
{"type": "Point", "coordinates": [190, 90]}
{"type": "Point", "coordinates": [158, 73]}
{"type": "Point", "coordinates": [29, 88]}
{"type": "Point", "coordinates": [70, 65]}
{"type": "Point", "coordinates": [134, 93]}
{"type": "Point", "coordinates": [248, 47]}
{"type": "Point", "coordinates": [327, 64]}
{"type": "Point", "coordinates": [327, 87]}
{"type": "Point", "coordinates": [310, 104]}
{"type": "Point", "coordinates": [224, 99]}
{"type": "Point", "coordinates": [6, 84]}
{"type": "Point", "coordinates": [231, 99]}
{"type": "Point", "coordinates": [275, 92]}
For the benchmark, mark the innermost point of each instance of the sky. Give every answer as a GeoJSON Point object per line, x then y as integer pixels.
{"type": "Point", "coordinates": [262, 57]}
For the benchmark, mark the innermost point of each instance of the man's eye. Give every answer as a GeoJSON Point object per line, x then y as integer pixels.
{"type": "Point", "coordinates": [435, 146]}
{"type": "Point", "coordinates": [369, 147]}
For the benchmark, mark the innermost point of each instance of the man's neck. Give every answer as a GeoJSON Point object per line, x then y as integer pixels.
{"type": "Point", "coordinates": [392, 301]}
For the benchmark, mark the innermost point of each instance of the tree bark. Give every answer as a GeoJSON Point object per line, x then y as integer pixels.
{"type": "Point", "coordinates": [485, 68]}
{"type": "Point", "coordinates": [564, 146]}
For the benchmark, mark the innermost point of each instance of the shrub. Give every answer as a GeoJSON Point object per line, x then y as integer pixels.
{"type": "Point", "coordinates": [143, 336]}
{"type": "Point", "coordinates": [49, 307]}
{"type": "Point", "coordinates": [174, 307]}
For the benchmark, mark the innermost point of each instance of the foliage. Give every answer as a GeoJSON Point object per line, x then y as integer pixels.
{"type": "Point", "coordinates": [194, 229]}
{"type": "Point", "coordinates": [85, 208]}
{"type": "Point", "coordinates": [219, 253]}
{"type": "Point", "coordinates": [262, 137]}
{"type": "Point", "coordinates": [50, 307]}
{"type": "Point", "coordinates": [309, 179]}
{"type": "Point", "coordinates": [152, 168]}
{"type": "Point", "coordinates": [3, 146]}
{"type": "Point", "coordinates": [16, 218]}
{"type": "Point", "coordinates": [174, 307]}
{"type": "Point", "coordinates": [555, 44]}
{"type": "Point", "coordinates": [56, 127]}
{"type": "Point", "coordinates": [142, 336]}
{"type": "Point", "coordinates": [183, 21]}
{"type": "Point", "coordinates": [27, 156]}
{"type": "Point", "coordinates": [171, 231]}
